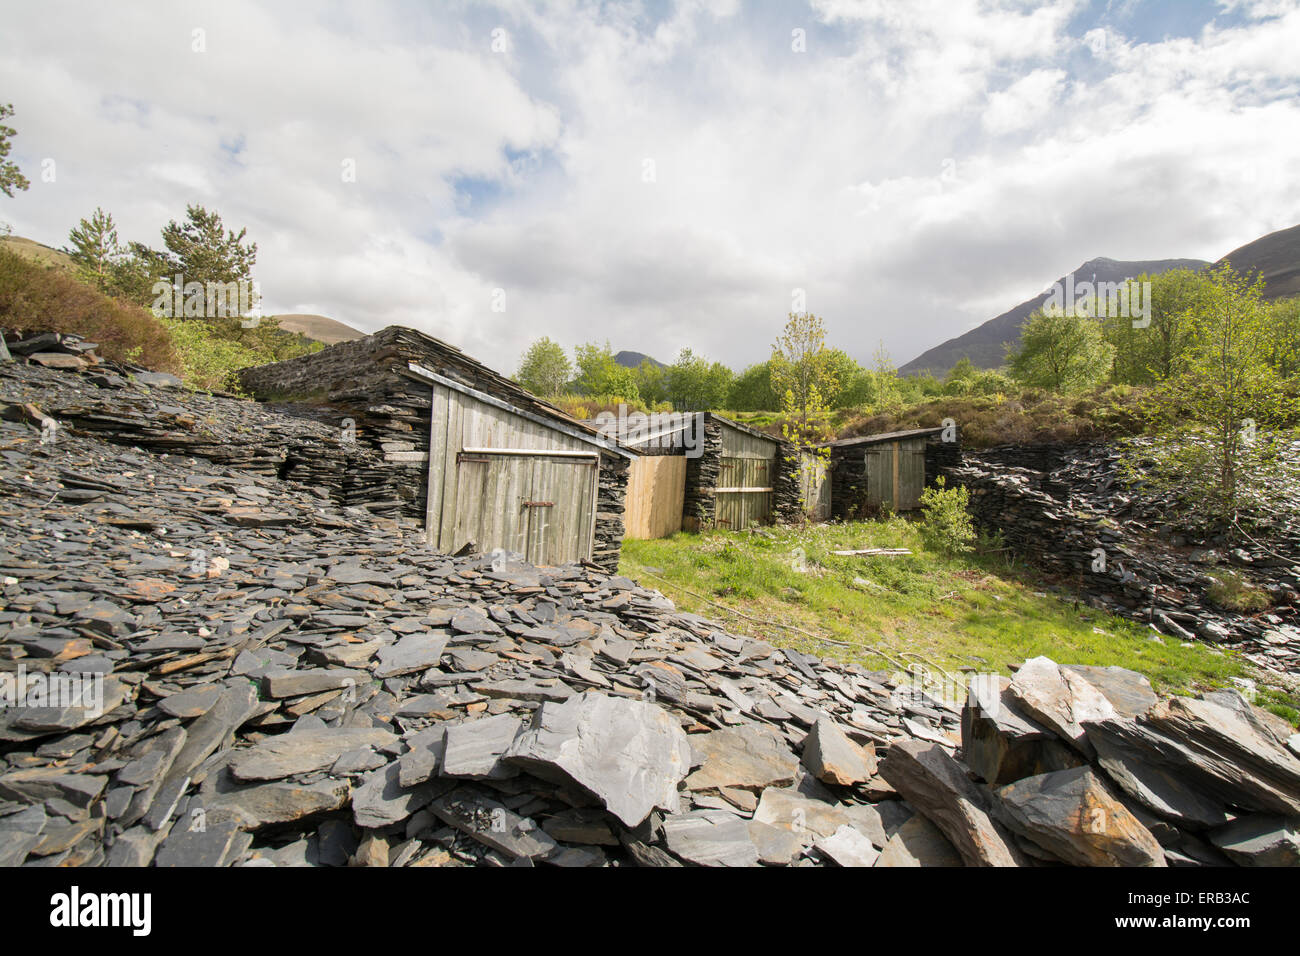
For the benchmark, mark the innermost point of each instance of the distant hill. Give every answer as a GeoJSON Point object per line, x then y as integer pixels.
{"type": "Point", "coordinates": [31, 249]}
{"type": "Point", "coordinates": [985, 345]}
{"type": "Point", "coordinates": [1276, 257]}
{"type": "Point", "coordinates": [318, 327]}
{"type": "Point", "coordinates": [634, 360]}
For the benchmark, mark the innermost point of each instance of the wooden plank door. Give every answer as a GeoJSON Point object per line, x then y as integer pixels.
{"type": "Point", "coordinates": [561, 510]}
{"type": "Point", "coordinates": [489, 510]}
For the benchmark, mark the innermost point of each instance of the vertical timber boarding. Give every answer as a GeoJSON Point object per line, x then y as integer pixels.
{"type": "Point", "coordinates": [814, 486]}
{"type": "Point", "coordinates": [747, 469]}
{"type": "Point", "coordinates": [656, 491]}
{"type": "Point", "coordinates": [499, 480]}
{"type": "Point", "coordinates": [895, 473]}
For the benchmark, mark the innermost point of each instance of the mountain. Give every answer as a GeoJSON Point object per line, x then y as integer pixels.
{"type": "Point", "coordinates": [31, 249]}
{"type": "Point", "coordinates": [1276, 257]}
{"type": "Point", "coordinates": [318, 327]}
{"type": "Point", "coordinates": [985, 345]}
{"type": "Point", "coordinates": [634, 360]}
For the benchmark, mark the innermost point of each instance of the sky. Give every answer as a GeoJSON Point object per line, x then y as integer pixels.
{"type": "Point", "coordinates": [663, 174]}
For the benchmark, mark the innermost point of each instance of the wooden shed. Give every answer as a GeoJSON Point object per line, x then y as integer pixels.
{"type": "Point", "coordinates": [740, 477]}
{"type": "Point", "coordinates": [479, 461]}
{"type": "Point", "coordinates": [733, 476]}
{"type": "Point", "coordinates": [885, 471]}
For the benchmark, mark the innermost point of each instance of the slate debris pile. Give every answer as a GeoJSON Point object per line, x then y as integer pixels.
{"type": "Point", "coordinates": [288, 682]}
{"type": "Point", "coordinates": [149, 410]}
{"type": "Point", "coordinates": [268, 679]}
{"type": "Point", "coordinates": [1060, 504]}
{"type": "Point", "coordinates": [1086, 766]}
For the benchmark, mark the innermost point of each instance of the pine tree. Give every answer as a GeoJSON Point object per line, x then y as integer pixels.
{"type": "Point", "coordinates": [96, 250]}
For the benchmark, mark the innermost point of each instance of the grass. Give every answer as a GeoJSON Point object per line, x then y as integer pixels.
{"type": "Point", "coordinates": [981, 611]}
{"type": "Point", "coordinates": [1025, 415]}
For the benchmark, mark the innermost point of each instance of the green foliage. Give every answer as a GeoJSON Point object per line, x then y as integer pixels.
{"type": "Point", "coordinates": [212, 351]}
{"type": "Point", "coordinates": [1282, 329]}
{"type": "Point", "coordinates": [1144, 355]}
{"type": "Point", "coordinates": [200, 250]}
{"type": "Point", "coordinates": [102, 261]}
{"type": "Point", "coordinates": [803, 372]}
{"type": "Point", "coordinates": [652, 383]}
{"type": "Point", "coordinates": [694, 384]}
{"type": "Point", "coordinates": [946, 524]}
{"type": "Point", "coordinates": [1216, 443]}
{"type": "Point", "coordinates": [599, 374]}
{"type": "Point", "coordinates": [544, 369]}
{"type": "Point", "coordinates": [1233, 592]}
{"type": "Point", "coordinates": [40, 298]}
{"type": "Point", "coordinates": [10, 176]}
{"type": "Point", "coordinates": [889, 387]}
{"type": "Point", "coordinates": [751, 391]}
{"type": "Point", "coordinates": [1061, 351]}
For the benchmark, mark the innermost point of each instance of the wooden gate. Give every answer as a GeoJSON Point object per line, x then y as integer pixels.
{"type": "Point", "coordinates": [814, 486]}
{"type": "Point", "coordinates": [656, 489]}
{"type": "Point", "coordinates": [744, 493]}
{"type": "Point", "coordinates": [895, 474]}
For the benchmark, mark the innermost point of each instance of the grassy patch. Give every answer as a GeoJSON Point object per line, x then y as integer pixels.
{"type": "Point", "coordinates": [980, 611]}
{"type": "Point", "coordinates": [1233, 592]}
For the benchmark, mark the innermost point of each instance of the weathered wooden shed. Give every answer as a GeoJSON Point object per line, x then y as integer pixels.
{"type": "Point", "coordinates": [473, 456]}
{"type": "Point", "coordinates": [886, 471]}
{"type": "Point", "coordinates": [734, 476]}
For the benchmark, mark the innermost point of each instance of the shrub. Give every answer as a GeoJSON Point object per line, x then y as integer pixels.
{"type": "Point", "coordinates": [39, 298]}
{"type": "Point", "coordinates": [213, 351]}
{"type": "Point", "coordinates": [946, 524]}
{"type": "Point", "coordinates": [1233, 592]}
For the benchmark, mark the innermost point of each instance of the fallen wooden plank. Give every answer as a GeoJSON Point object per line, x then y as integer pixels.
{"type": "Point", "coordinates": [875, 552]}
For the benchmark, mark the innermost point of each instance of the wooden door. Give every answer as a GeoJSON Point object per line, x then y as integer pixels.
{"type": "Point", "coordinates": [537, 506]}
{"type": "Point", "coordinates": [744, 495]}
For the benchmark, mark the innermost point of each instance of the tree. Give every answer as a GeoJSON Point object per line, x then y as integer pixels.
{"type": "Point", "coordinates": [202, 252]}
{"type": "Point", "coordinates": [651, 382]}
{"type": "Point", "coordinates": [544, 369]}
{"type": "Point", "coordinates": [801, 368]}
{"type": "Point", "coordinates": [1146, 354]}
{"type": "Point", "coordinates": [1283, 343]}
{"type": "Point", "coordinates": [695, 384]}
{"type": "Point", "coordinates": [1060, 351]}
{"type": "Point", "coordinates": [888, 388]}
{"type": "Point", "coordinates": [751, 390]}
{"type": "Point", "coordinates": [1214, 442]}
{"type": "Point", "coordinates": [10, 176]}
{"type": "Point", "coordinates": [95, 249]}
{"type": "Point", "coordinates": [600, 375]}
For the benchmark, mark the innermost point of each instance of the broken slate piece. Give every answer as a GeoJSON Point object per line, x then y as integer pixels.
{"type": "Point", "coordinates": [710, 838]}
{"type": "Point", "coordinates": [474, 749]}
{"type": "Point", "coordinates": [628, 753]}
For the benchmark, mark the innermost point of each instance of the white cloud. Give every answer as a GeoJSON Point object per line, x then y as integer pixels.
{"type": "Point", "coordinates": [918, 169]}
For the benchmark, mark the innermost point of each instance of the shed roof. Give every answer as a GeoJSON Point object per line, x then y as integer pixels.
{"type": "Point", "coordinates": [348, 370]}
{"type": "Point", "coordinates": [745, 428]}
{"type": "Point", "coordinates": [882, 437]}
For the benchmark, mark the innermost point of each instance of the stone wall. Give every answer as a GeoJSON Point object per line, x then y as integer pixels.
{"type": "Point", "coordinates": [699, 504]}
